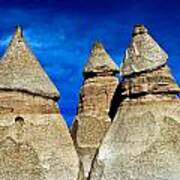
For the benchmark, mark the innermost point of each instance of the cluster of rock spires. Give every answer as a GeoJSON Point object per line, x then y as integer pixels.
{"type": "Point", "coordinates": [125, 129]}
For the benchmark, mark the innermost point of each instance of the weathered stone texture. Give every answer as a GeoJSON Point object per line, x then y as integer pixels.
{"type": "Point", "coordinates": [99, 61]}
{"type": "Point", "coordinates": [39, 146]}
{"type": "Point", "coordinates": [35, 142]}
{"type": "Point", "coordinates": [96, 95]}
{"type": "Point", "coordinates": [142, 143]}
{"type": "Point", "coordinates": [150, 82]}
{"type": "Point", "coordinates": [143, 53]}
{"type": "Point", "coordinates": [92, 120]}
{"type": "Point", "coordinates": [20, 70]}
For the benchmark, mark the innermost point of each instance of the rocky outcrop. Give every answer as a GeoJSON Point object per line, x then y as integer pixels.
{"type": "Point", "coordinates": [143, 141]}
{"type": "Point", "coordinates": [92, 120]}
{"type": "Point", "coordinates": [34, 140]}
{"type": "Point", "coordinates": [159, 81]}
{"type": "Point", "coordinates": [143, 53]}
{"type": "Point", "coordinates": [20, 70]}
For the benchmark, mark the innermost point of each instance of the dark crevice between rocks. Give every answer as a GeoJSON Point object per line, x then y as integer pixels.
{"type": "Point", "coordinates": [73, 131]}
{"type": "Point", "coordinates": [118, 98]}
{"type": "Point", "coordinates": [115, 102]}
{"type": "Point", "coordinates": [81, 172]}
{"type": "Point", "coordinates": [93, 74]}
{"type": "Point", "coordinates": [93, 163]}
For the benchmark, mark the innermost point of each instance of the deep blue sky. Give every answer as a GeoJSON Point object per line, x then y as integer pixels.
{"type": "Point", "coordinates": [61, 34]}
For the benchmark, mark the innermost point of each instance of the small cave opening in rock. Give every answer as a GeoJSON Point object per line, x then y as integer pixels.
{"type": "Point", "coordinates": [19, 119]}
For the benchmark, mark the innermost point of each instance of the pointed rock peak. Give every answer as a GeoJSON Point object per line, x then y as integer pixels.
{"type": "Point", "coordinates": [19, 31]}
{"type": "Point", "coordinates": [18, 36]}
{"type": "Point", "coordinates": [97, 46]}
{"type": "Point", "coordinates": [143, 53]}
{"type": "Point", "coordinates": [99, 61]}
{"type": "Point", "coordinates": [17, 40]}
{"type": "Point", "coordinates": [21, 71]}
{"type": "Point", "coordinates": [139, 29]}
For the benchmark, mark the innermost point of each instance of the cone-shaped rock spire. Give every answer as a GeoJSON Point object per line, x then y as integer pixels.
{"type": "Point", "coordinates": [35, 141]}
{"type": "Point", "coordinates": [92, 120]}
{"type": "Point", "coordinates": [99, 61]}
{"type": "Point", "coordinates": [147, 64]}
{"type": "Point", "coordinates": [20, 70]}
{"type": "Point", "coordinates": [143, 140]}
{"type": "Point", "coordinates": [143, 53]}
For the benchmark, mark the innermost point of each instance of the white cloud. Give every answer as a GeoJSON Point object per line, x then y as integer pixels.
{"type": "Point", "coordinates": [5, 41]}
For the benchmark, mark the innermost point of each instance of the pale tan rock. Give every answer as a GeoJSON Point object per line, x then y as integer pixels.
{"type": "Point", "coordinates": [92, 120]}
{"type": "Point", "coordinates": [143, 53]}
{"type": "Point", "coordinates": [143, 142]}
{"type": "Point", "coordinates": [159, 81]}
{"type": "Point", "coordinates": [35, 142]}
{"type": "Point", "coordinates": [149, 75]}
{"type": "Point", "coordinates": [99, 61]}
{"type": "Point", "coordinates": [20, 70]}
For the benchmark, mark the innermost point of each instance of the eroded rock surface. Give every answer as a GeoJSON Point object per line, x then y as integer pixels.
{"type": "Point", "coordinates": [92, 120]}
{"type": "Point", "coordinates": [159, 81]}
{"type": "Point", "coordinates": [143, 53]}
{"type": "Point", "coordinates": [35, 142]}
{"type": "Point", "coordinates": [143, 141]}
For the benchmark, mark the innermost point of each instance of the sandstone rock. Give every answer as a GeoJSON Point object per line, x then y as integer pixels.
{"type": "Point", "coordinates": [92, 120]}
{"type": "Point", "coordinates": [100, 61]}
{"type": "Point", "coordinates": [159, 81]}
{"type": "Point", "coordinates": [143, 141]}
{"type": "Point", "coordinates": [34, 140]}
{"type": "Point", "coordinates": [143, 53]}
{"type": "Point", "coordinates": [20, 70]}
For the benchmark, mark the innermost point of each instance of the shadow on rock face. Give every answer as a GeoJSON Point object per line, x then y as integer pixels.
{"type": "Point", "coordinates": [116, 100]}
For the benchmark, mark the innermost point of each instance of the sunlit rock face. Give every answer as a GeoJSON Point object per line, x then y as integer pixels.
{"type": "Point", "coordinates": [143, 53]}
{"type": "Point", "coordinates": [159, 81]}
{"type": "Point", "coordinates": [143, 141]}
{"type": "Point", "coordinates": [34, 140]}
{"type": "Point", "coordinates": [97, 91]}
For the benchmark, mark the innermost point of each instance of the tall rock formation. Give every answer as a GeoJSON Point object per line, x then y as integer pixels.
{"type": "Point", "coordinates": [34, 140]}
{"type": "Point", "coordinates": [92, 120]}
{"type": "Point", "coordinates": [143, 142]}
